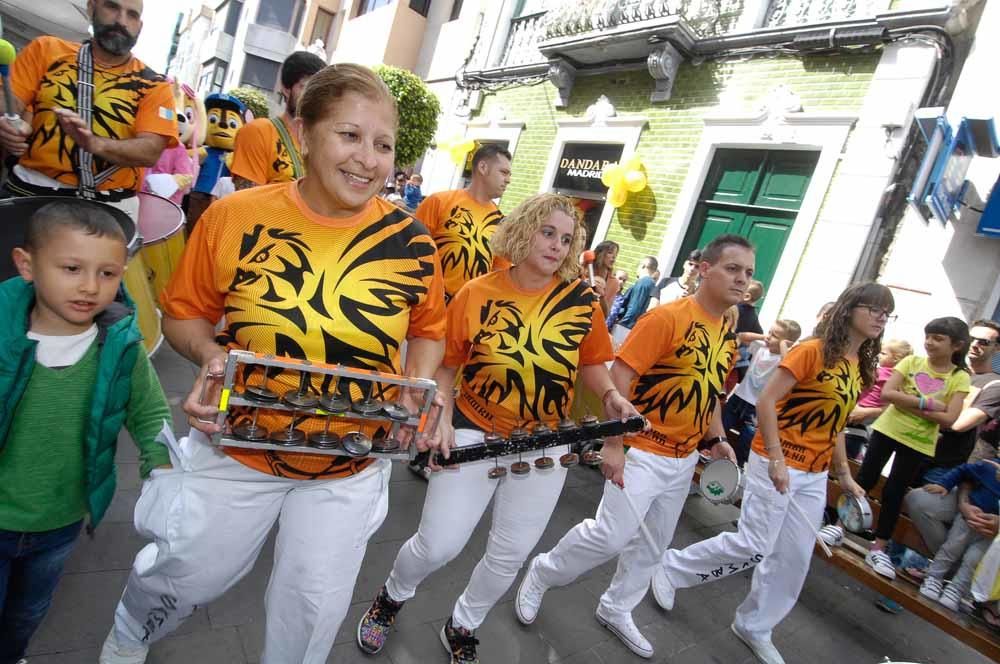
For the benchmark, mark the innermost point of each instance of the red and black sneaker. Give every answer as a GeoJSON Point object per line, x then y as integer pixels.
{"type": "Point", "coordinates": [461, 643]}
{"type": "Point", "coordinates": [373, 629]}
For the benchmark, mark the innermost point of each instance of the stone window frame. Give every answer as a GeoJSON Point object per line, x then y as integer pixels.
{"type": "Point", "coordinates": [598, 125]}
{"type": "Point", "coordinates": [781, 128]}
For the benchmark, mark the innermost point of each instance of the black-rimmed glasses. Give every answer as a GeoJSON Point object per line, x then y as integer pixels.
{"type": "Point", "coordinates": [981, 341]}
{"type": "Point", "coordinates": [879, 312]}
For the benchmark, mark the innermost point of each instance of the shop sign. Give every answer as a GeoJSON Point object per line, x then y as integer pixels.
{"type": "Point", "coordinates": [580, 166]}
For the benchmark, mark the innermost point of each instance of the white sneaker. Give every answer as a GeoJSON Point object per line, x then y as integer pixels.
{"type": "Point", "coordinates": [763, 650]}
{"type": "Point", "coordinates": [950, 597]}
{"type": "Point", "coordinates": [663, 590]}
{"type": "Point", "coordinates": [113, 653]}
{"type": "Point", "coordinates": [931, 588]}
{"type": "Point", "coordinates": [528, 600]}
{"type": "Point", "coordinates": [881, 563]}
{"type": "Point", "coordinates": [624, 628]}
{"type": "Point", "coordinates": [832, 535]}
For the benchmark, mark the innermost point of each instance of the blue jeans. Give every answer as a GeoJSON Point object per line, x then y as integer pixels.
{"type": "Point", "coordinates": [31, 565]}
{"type": "Point", "coordinates": [740, 416]}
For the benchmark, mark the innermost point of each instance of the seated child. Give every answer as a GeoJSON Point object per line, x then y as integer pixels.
{"type": "Point", "coordinates": [412, 195]}
{"type": "Point", "coordinates": [75, 371]}
{"type": "Point", "coordinates": [870, 404]}
{"type": "Point", "coordinates": [748, 322]}
{"type": "Point", "coordinates": [740, 412]}
{"type": "Point", "coordinates": [964, 547]}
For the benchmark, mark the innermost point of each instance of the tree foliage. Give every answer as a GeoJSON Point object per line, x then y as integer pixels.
{"type": "Point", "coordinates": [418, 113]}
{"type": "Point", "coordinates": [255, 100]}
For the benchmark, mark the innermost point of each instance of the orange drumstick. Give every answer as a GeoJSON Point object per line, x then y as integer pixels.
{"type": "Point", "coordinates": [587, 258]}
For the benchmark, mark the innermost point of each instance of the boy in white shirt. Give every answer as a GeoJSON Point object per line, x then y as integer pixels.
{"type": "Point", "coordinates": [766, 351]}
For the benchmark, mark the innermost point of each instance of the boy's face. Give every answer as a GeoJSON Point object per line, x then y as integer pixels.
{"type": "Point", "coordinates": [887, 358]}
{"type": "Point", "coordinates": [76, 277]}
{"type": "Point", "coordinates": [774, 338]}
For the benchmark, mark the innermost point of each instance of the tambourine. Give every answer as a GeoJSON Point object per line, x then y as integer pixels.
{"type": "Point", "coordinates": [855, 513]}
{"type": "Point", "coordinates": [721, 482]}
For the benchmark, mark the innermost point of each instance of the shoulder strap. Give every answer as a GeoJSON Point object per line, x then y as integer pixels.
{"type": "Point", "coordinates": [87, 181]}
{"type": "Point", "coordinates": [298, 169]}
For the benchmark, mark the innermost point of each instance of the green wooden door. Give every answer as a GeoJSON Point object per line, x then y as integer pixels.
{"type": "Point", "coordinates": [753, 193]}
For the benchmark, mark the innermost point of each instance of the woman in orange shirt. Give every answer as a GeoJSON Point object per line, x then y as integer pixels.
{"type": "Point", "coordinates": [518, 336]}
{"type": "Point", "coordinates": [317, 269]}
{"type": "Point", "coordinates": [802, 412]}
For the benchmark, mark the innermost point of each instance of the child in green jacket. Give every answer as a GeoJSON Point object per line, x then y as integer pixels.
{"type": "Point", "coordinates": [73, 371]}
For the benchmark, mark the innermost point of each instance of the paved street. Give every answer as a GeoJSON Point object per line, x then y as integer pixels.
{"type": "Point", "coordinates": [835, 621]}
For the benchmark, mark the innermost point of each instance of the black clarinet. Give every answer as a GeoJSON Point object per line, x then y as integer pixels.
{"type": "Point", "coordinates": [573, 438]}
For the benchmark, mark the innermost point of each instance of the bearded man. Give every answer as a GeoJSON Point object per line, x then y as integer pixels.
{"type": "Point", "coordinates": [90, 116]}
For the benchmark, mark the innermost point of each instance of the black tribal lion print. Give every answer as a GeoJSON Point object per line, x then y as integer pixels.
{"type": "Point", "coordinates": [463, 242]}
{"type": "Point", "coordinates": [525, 356]}
{"type": "Point", "coordinates": [345, 302]}
{"type": "Point", "coordinates": [681, 390]}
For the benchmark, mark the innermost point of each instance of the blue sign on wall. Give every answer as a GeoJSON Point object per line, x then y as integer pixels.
{"type": "Point", "coordinates": [948, 178]}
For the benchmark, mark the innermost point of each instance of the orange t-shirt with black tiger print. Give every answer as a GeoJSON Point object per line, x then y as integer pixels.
{"type": "Point", "coordinates": [682, 355]}
{"type": "Point", "coordinates": [462, 227]}
{"type": "Point", "coordinates": [128, 100]}
{"type": "Point", "coordinates": [519, 351]}
{"type": "Point", "coordinates": [815, 410]}
{"type": "Point", "coordinates": [261, 156]}
{"type": "Point", "coordinates": [293, 283]}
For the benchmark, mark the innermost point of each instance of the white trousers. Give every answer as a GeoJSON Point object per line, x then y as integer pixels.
{"type": "Point", "coordinates": [456, 500]}
{"type": "Point", "coordinates": [658, 486]}
{"type": "Point", "coordinates": [770, 537]}
{"type": "Point", "coordinates": [208, 521]}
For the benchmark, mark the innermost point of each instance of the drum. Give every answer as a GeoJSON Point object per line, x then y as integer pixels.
{"type": "Point", "coordinates": [161, 225]}
{"type": "Point", "coordinates": [146, 313]}
{"type": "Point", "coordinates": [721, 482]}
{"type": "Point", "coordinates": [855, 513]}
{"type": "Point", "coordinates": [15, 213]}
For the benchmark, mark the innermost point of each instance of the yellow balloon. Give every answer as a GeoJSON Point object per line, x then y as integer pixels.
{"type": "Point", "coordinates": [611, 174]}
{"type": "Point", "coordinates": [635, 181]}
{"type": "Point", "coordinates": [449, 143]}
{"type": "Point", "coordinates": [633, 163]}
{"type": "Point", "coordinates": [617, 196]}
{"type": "Point", "coordinates": [458, 154]}
{"type": "Point", "coordinates": [468, 145]}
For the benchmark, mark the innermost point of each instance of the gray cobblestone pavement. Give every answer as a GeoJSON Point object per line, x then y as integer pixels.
{"type": "Point", "coordinates": [835, 621]}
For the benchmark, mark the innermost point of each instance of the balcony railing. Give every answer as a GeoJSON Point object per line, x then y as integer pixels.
{"type": "Point", "coordinates": [562, 19]}
{"type": "Point", "coordinates": [797, 12]}
{"type": "Point", "coordinates": [580, 16]}
{"type": "Point", "coordinates": [522, 41]}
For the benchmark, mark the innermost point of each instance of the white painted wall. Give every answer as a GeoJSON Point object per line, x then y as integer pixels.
{"type": "Point", "coordinates": [937, 270]}
{"type": "Point", "coordinates": [867, 165]}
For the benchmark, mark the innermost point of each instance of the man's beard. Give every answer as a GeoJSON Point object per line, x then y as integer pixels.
{"type": "Point", "coordinates": [113, 38]}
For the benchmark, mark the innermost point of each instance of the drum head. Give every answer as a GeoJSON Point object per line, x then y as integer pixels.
{"type": "Point", "coordinates": [854, 513]}
{"type": "Point", "coordinates": [719, 481]}
{"type": "Point", "coordinates": [159, 217]}
{"type": "Point", "coordinates": [16, 212]}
